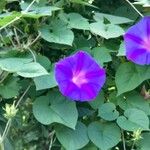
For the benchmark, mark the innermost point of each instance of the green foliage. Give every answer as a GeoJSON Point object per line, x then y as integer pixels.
{"type": "Point", "coordinates": [106, 31]}
{"type": "Point", "coordinates": [8, 17]}
{"type": "Point", "coordinates": [73, 139]}
{"type": "Point", "coordinates": [134, 100]}
{"type": "Point", "coordinates": [45, 81]}
{"type": "Point", "coordinates": [108, 111]}
{"type": "Point", "coordinates": [101, 55]}
{"type": "Point", "coordinates": [144, 144]}
{"type": "Point", "coordinates": [37, 11]}
{"type": "Point", "coordinates": [129, 76]}
{"type": "Point", "coordinates": [57, 33]}
{"type": "Point", "coordinates": [121, 51]}
{"type": "Point", "coordinates": [23, 67]}
{"type": "Point", "coordinates": [133, 120]}
{"type": "Point", "coordinates": [10, 88]}
{"type": "Point", "coordinates": [98, 101]}
{"type": "Point", "coordinates": [75, 21]}
{"type": "Point", "coordinates": [111, 18]}
{"type": "Point", "coordinates": [55, 108]}
{"type": "Point", "coordinates": [34, 36]}
{"type": "Point", "coordinates": [104, 135]}
{"type": "Point", "coordinates": [145, 3]}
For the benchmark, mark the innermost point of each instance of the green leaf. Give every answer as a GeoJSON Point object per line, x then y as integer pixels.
{"type": "Point", "coordinates": [31, 136]}
{"type": "Point", "coordinates": [98, 101]}
{"type": "Point", "coordinates": [32, 70]}
{"type": "Point", "coordinates": [55, 108]}
{"type": "Point", "coordinates": [143, 143]}
{"type": "Point", "coordinates": [108, 112]}
{"type": "Point", "coordinates": [23, 67]}
{"type": "Point", "coordinates": [126, 11]}
{"type": "Point", "coordinates": [101, 55]}
{"type": "Point", "coordinates": [106, 30]}
{"type": "Point", "coordinates": [37, 11]}
{"type": "Point", "coordinates": [90, 146]}
{"type": "Point", "coordinates": [134, 100]}
{"type": "Point", "coordinates": [45, 82]}
{"type": "Point", "coordinates": [2, 5]}
{"type": "Point", "coordinates": [72, 139]}
{"type": "Point", "coordinates": [75, 20]}
{"type": "Point", "coordinates": [112, 18]}
{"type": "Point", "coordinates": [133, 120]}
{"type": "Point", "coordinates": [129, 76]}
{"type": "Point", "coordinates": [82, 2]}
{"type": "Point", "coordinates": [104, 135]}
{"type": "Point", "coordinates": [145, 3]}
{"type": "Point", "coordinates": [57, 33]}
{"type": "Point", "coordinates": [44, 61]}
{"type": "Point", "coordinates": [121, 51]}
{"type": "Point", "coordinates": [10, 88]}
{"type": "Point", "coordinates": [8, 17]}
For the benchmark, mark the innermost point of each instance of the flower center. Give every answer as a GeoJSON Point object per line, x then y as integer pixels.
{"type": "Point", "coordinates": [79, 79]}
{"type": "Point", "coordinates": [146, 44]}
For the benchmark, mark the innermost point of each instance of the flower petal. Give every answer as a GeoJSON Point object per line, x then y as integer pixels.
{"type": "Point", "coordinates": [137, 42]}
{"type": "Point", "coordinates": [79, 77]}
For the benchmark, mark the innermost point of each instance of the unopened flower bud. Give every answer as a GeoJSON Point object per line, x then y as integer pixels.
{"type": "Point", "coordinates": [137, 135]}
{"type": "Point", "coordinates": [10, 111]}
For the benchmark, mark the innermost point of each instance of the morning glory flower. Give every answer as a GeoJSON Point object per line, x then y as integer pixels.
{"type": "Point", "coordinates": [137, 42]}
{"type": "Point", "coordinates": [79, 77]}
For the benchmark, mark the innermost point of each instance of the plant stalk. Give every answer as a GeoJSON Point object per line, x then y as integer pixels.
{"type": "Point", "coordinates": [8, 124]}
{"type": "Point", "coordinates": [134, 8]}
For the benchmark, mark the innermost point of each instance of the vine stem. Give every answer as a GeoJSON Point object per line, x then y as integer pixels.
{"type": "Point", "coordinates": [1, 145]}
{"type": "Point", "coordinates": [10, 38]}
{"type": "Point", "coordinates": [27, 9]}
{"type": "Point", "coordinates": [123, 140]}
{"type": "Point", "coordinates": [32, 53]}
{"type": "Point", "coordinates": [5, 131]}
{"type": "Point", "coordinates": [27, 89]}
{"type": "Point", "coordinates": [134, 8]}
{"type": "Point", "coordinates": [52, 140]}
{"type": "Point", "coordinates": [30, 44]}
{"type": "Point", "coordinates": [18, 17]}
{"type": "Point", "coordinates": [133, 145]}
{"type": "Point", "coordinates": [5, 76]}
{"type": "Point", "coordinates": [8, 124]}
{"type": "Point", "coordinates": [34, 40]}
{"type": "Point", "coordinates": [17, 38]}
{"type": "Point", "coordinates": [12, 21]}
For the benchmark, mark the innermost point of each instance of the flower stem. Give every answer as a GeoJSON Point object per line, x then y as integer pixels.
{"type": "Point", "coordinates": [132, 147]}
{"type": "Point", "coordinates": [4, 77]}
{"type": "Point", "coordinates": [8, 124]}
{"type": "Point", "coordinates": [123, 140]}
{"type": "Point", "coordinates": [18, 17]}
{"type": "Point", "coordinates": [1, 144]}
{"type": "Point", "coordinates": [27, 89]}
{"type": "Point", "coordinates": [134, 8]}
{"type": "Point", "coordinates": [34, 40]}
{"type": "Point", "coordinates": [5, 130]}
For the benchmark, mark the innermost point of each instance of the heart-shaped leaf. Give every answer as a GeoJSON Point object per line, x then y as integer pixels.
{"type": "Point", "coordinates": [104, 135]}
{"type": "Point", "coordinates": [55, 108]}
{"type": "Point", "coordinates": [106, 30]}
{"type": "Point", "coordinates": [57, 33]}
{"type": "Point", "coordinates": [108, 111]}
{"type": "Point", "coordinates": [133, 119]}
{"type": "Point", "coordinates": [72, 139]}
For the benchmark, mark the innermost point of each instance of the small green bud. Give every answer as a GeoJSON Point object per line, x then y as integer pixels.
{"type": "Point", "coordinates": [137, 135]}
{"type": "Point", "coordinates": [90, 1]}
{"type": "Point", "coordinates": [10, 111]}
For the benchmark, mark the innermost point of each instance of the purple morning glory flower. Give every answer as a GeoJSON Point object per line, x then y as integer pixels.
{"type": "Point", "coordinates": [137, 42]}
{"type": "Point", "coordinates": [79, 77]}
